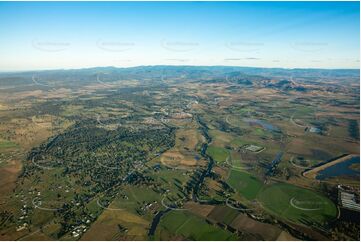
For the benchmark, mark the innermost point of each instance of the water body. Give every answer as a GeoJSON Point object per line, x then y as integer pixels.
{"type": "Point", "coordinates": [340, 169]}
{"type": "Point", "coordinates": [204, 130]}
{"type": "Point", "coordinates": [156, 221]}
{"type": "Point", "coordinates": [264, 124]}
{"type": "Point", "coordinates": [277, 159]}
{"type": "Point", "coordinates": [274, 164]}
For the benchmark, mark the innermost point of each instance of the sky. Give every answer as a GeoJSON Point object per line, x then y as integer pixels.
{"type": "Point", "coordinates": [65, 35]}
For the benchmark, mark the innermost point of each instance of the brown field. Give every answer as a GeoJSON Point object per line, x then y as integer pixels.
{"type": "Point", "coordinates": [185, 149]}
{"type": "Point", "coordinates": [222, 213]}
{"type": "Point", "coordinates": [8, 176]}
{"type": "Point", "coordinates": [298, 146]}
{"type": "Point", "coordinates": [106, 227]}
{"type": "Point", "coordinates": [199, 209]}
{"type": "Point", "coordinates": [27, 133]}
{"type": "Point", "coordinates": [284, 236]}
{"type": "Point", "coordinates": [306, 146]}
{"type": "Point", "coordinates": [212, 184]}
{"type": "Point", "coordinates": [263, 231]}
{"type": "Point", "coordinates": [221, 171]}
{"type": "Point", "coordinates": [12, 234]}
{"type": "Point", "coordinates": [25, 94]}
{"type": "Point", "coordinates": [3, 107]}
{"type": "Point", "coordinates": [174, 157]}
{"type": "Point", "coordinates": [220, 138]}
{"type": "Point", "coordinates": [264, 91]}
{"type": "Point", "coordinates": [36, 235]}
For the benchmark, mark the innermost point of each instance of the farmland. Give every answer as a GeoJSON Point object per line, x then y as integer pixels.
{"type": "Point", "coordinates": [246, 184]}
{"type": "Point", "coordinates": [189, 226]}
{"type": "Point", "coordinates": [130, 156]}
{"type": "Point", "coordinates": [297, 204]}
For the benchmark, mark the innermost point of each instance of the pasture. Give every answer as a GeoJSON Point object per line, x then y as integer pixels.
{"type": "Point", "coordinates": [246, 184]}
{"type": "Point", "coordinates": [191, 227]}
{"type": "Point", "coordinates": [219, 154]}
{"type": "Point", "coordinates": [285, 201]}
{"type": "Point", "coordinates": [297, 204]}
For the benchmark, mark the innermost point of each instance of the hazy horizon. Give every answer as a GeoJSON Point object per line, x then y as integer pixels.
{"type": "Point", "coordinates": [165, 65]}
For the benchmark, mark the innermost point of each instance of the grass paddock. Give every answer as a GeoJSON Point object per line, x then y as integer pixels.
{"type": "Point", "coordinates": [297, 204]}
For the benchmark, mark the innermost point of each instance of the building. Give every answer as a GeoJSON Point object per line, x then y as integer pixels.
{"type": "Point", "coordinates": [348, 199]}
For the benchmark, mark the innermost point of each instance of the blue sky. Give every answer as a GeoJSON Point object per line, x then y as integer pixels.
{"type": "Point", "coordinates": [51, 35]}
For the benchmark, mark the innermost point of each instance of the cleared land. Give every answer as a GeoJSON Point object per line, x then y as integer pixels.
{"type": "Point", "coordinates": [190, 226]}
{"type": "Point", "coordinates": [110, 155]}
{"type": "Point", "coordinates": [245, 183]}
{"type": "Point", "coordinates": [219, 154]}
{"type": "Point", "coordinates": [297, 204]}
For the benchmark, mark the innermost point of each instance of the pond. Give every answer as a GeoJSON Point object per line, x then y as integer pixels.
{"type": "Point", "coordinates": [340, 169]}
{"type": "Point", "coordinates": [264, 124]}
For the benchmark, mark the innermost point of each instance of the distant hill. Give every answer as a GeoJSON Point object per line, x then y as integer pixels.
{"type": "Point", "coordinates": [248, 76]}
{"type": "Point", "coordinates": [285, 85]}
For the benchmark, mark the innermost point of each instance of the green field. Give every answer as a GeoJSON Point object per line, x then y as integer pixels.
{"type": "Point", "coordinates": [136, 196]}
{"type": "Point", "coordinates": [246, 184]}
{"type": "Point", "coordinates": [4, 144]}
{"type": "Point", "coordinates": [297, 204]}
{"type": "Point", "coordinates": [217, 153]}
{"type": "Point", "coordinates": [284, 200]}
{"type": "Point", "coordinates": [192, 227]}
{"type": "Point", "coordinates": [259, 131]}
{"type": "Point", "coordinates": [238, 142]}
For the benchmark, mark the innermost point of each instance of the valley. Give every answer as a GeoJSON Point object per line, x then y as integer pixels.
{"type": "Point", "coordinates": [179, 153]}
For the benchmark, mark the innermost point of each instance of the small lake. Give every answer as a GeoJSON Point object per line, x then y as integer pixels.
{"type": "Point", "coordinates": [340, 169]}
{"type": "Point", "coordinates": [264, 124]}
